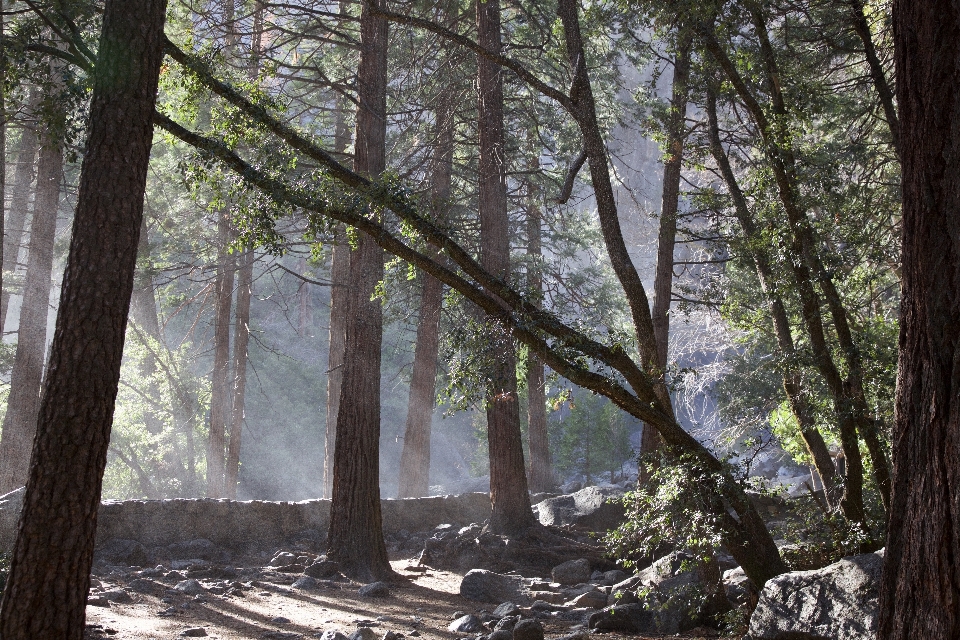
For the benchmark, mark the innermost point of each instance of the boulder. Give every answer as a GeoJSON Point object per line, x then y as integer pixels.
{"type": "Point", "coordinates": [572, 571]}
{"type": "Point", "coordinates": [466, 624]}
{"type": "Point", "coordinates": [590, 599]}
{"type": "Point", "coordinates": [323, 569]}
{"type": "Point", "coordinates": [305, 583]}
{"type": "Point", "coordinates": [506, 609]}
{"type": "Point", "coordinates": [739, 588]}
{"type": "Point", "coordinates": [528, 630]}
{"type": "Point", "coordinates": [486, 586]}
{"type": "Point", "coordinates": [589, 508]}
{"type": "Point", "coordinates": [500, 634]}
{"type": "Point", "coordinates": [121, 551]}
{"type": "Point", "coordinates": [837, 602]}
{"type": "Point", "coordinates": [374, 590]}
{"type": "Point", "coordinates": [623, 617]}
{"type": "Point", "coordinates": [190, 587]}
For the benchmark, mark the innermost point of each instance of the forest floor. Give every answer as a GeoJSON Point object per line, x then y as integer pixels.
{"type": "Point", "coordinates": [421, 608]}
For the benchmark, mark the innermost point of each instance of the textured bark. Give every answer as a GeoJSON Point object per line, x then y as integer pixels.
{"type": "Point", "coordinates": [49, 576]}
{"type": "Point", "coordinates": [920, 587]}
{"type": "Point", "coordinates": [23, 405]}
{"type": "Point", "coordinates": [792, 379]}
{"type": "Point", "coordinates": [220, 386]}
{"type": "Point", "coordinates": [241, 340]}
{"type": "Point", "coordinates": [355, 538]}
{"type": "Point", "coordinates": [15, 227]}
{"type": "Point", "coordinates": [650, 440]}
{"type": "Point", "coordinates": [511, 512]}
{"type": "Point", "coordinates": [415, 458]}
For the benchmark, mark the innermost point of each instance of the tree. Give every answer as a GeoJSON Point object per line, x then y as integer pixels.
{"type": "Point", "coordinates": [220, 386]}
{"type": "Point", "coordinates": [920, 589]}
{"type": "Point", "coordinates": [355, 537]}
{"type": "Point", "coordinates": [46, 591]}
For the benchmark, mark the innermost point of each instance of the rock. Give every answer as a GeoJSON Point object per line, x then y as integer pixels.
{"type": "Point", "coordinates": [194, 632]}
{"type": "Point", "coordinates": [611, 578]}
{"type": "Point", "coordinates": [323, 569]}
{"type": "Point", "coordinates": [739, 589]}
{"type": "Point", "coordinates": [591, 599]}
{"type": "Point", "coordinates": [333, 635]}
{"type": "Point", "coordinates": [305, 582]}
{"type": "Point", "coordinates": [374, 590]}
{"type": "Point", "coordinates": [507, 623]}
{"type": "Point", "coordinates": [117, 595]}
{"type": "Point", "coordinates": [837, 602]}
{"type": "Point", "coordinates": [528, 630]}
{"type": "Point", "coordinates": [486, 586]}
{"type": "Point", "coordinates": [290, 568]}
{"type": "Point", "coordinates": [121, 551]}
{"type": "Point", "coordinates": [174, 576]}
{"type": "Point", "coordinates": [190, 587]}
{"type": "Point", "coordinates": [548, 596]}
{"type": "Point", "coordinates": [143, 585]}
{"type": "Point", "coordinates": [572, 571]}
{"type": "Point", "coordinates": [466, 624]}
{"type": "Point", "coordinates": [392, 635]}
{"type": "Point", "coordinates": [500, 634]}
{"type": "Point", "coordinates": [364, 633]}
{"type": "Point", "coordinates": [576, 635]}
{"type": "Point", "coordinates": [506, 609]}
{"type": "Point", "coordinates": [97, 601]}
{"type": "Point", "coordinates": [589, 508]}
{"type": "Point", "coordinates": [281, 559]}
{"type": "Point", "coordinates": [279, 620]}
{"type": "Point", "coordinates": [623, 617]}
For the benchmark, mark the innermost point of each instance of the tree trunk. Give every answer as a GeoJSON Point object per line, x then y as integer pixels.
{"type": "Point", "coordinates": [15, 227]}
{"type": "Point", "coordinates": [511, 510]}
{"type": "Point", "coordinates": [877, 74]}
{"type": "Point", "coordinates": [49, 578]}
{"type": "Point", "coordinates": [23, 405]}
{"type": "Point", "coordinates": [920, 588]}
{"type": "Point", "coordinates": [355, 539]}
{"type": "Point", "coordinates": [650, 440]}
{"type": "Point", "coordinates": [220, 387]}
{"type": "Point", "coordinates": [241, 339]}
{"type": "Point", "coordinates": [415, 457]}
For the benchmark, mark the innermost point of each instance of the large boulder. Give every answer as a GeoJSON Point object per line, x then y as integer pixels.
{"type": "Point", "coordinates": [589, 508]}
{"type": "Point", "coordinates": [837, 602]}
{"type": "Point", "coordinates": [572, 571]}
{"type": "Point", "coordinates": [675, 595]}
{"type": "Point", "coordinates": [486, 586]}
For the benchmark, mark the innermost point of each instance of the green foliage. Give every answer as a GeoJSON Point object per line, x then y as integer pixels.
{"type": "Point", "coordinates": [592, 439]}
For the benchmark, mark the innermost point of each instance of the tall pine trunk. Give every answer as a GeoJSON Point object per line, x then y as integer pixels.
{"type": "Point", "coordinates": [511, 511]}
{"type": "Point", "coordinates": [220, 386]}
{"type": "Point", "coordinates": [241, 340]}
{"type": "Point", "coordinates": [49, 577]}
{"type": "Point", "coordinates": [920, 588]}
{"type": "Point", "coordinates": [415, 457]}
{"type": "Point", "coordinates": [23, 405]}
{"type": "Point", "coordinates": [355, 537]}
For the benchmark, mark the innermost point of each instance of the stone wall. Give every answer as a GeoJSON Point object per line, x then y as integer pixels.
{"type": "Point", "coordinates": [233, 524]}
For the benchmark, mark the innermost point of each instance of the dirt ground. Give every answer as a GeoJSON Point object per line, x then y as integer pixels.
{"type": "Point", "coordinates": [421, 608]}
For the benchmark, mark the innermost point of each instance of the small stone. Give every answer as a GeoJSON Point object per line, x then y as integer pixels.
{"type": "Point", "coordinates": [392, 635]}
{"type": "Point", "coordinates": [374, 590]}
{"type": "Point", "coordinates": [117, 595]}
{"type": "Point", "coordinates": [279, 620]}
{"type": "Point", "coordinates": [291, 568]}
{"type": "Point", "coordinates": [190, 587]}
{"type": "Point", "coordinates": [142, 585]}
{"type": "Point", "coordinates": [364, 633]}
{"type": "Point", "coordinates": [322, 569]}
{"type": "Point", "coordinates": [97, 601]}
{"type": "Point", "coordinates": [333, 635]}
{"type": "Point", "coordinates": [282, 558]}
{"type": "Point", "coordinates": [174, 576]}
{"type": "Point", "coordinates": [194, 632]}
{"type": "Point", "coordinates": [506, 609]}
{"type": "Point", "coordinates": [459, 614]}
{"type": "Point", "coordinates": [466, 624]}
{"type": "Point", "coordinates": [305, 582]}
{"type": "Point", "coordinates": [528, 630]}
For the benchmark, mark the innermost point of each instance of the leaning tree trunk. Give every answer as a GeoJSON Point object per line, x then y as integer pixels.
{"type": "Point", "coordinates": [15, 227]}
{"type": "Point", "coordinates": [650, 440]}
{"type": "Point", "coordinates": [355, 537]}
{"type": "Point", "coordinates": [920, 588]}
{"type": "Point", "coordinates": [23, 405]}
{"type": "Point", "coordinates": [415, 456]}
{"type": "Point", "coordinates": [511, 511]}
{"type": "Point", "coordinates": [241, 340]}
{"type": "Point", "coordinates": [220, 387]}
{"type": "Point", "coordinates": [49, 578]}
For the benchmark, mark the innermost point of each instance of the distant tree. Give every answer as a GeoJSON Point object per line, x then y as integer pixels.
{"type": "Point", "coordinates": [920, 590]}
{"type": "Point", "coordinates": [49, 580]}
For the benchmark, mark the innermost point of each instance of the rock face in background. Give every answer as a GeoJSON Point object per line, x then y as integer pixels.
{"type": "Point", "coordinates": [837, 602]}
{"type": "Point", "coordinates": [588, 508]}
{"type": "Point", "coordinates": [233, 524]}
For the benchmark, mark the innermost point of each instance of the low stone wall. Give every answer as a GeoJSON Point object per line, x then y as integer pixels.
{"type": "Point", "coordinates": [233, 524]}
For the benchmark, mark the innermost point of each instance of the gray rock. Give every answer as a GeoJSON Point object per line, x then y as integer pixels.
{"type": "Point", "coordinates": [486, 586]}
{"type": "Point", "coordinates": [507, 623]}
{"type": "Point", "coordinates": [739, 588]}
{"type": "Point", "coordinates": [333, 635]}
{"type": "Point", "coordinates": [374, 590]}
{"type": "Point", "coordinates": [117, 595]}
{"type": "Point", "coordinates": [143, 585]}
{"type": "Point", "coordinates": [528, 630]}
{"type": "Point", "coordinates": [392, 635]}
{"type": "Point", "coordinates": [589, 508]}
{"type": "Point", "coordinates": [279, 620]}
{"type": "Point", "coordinates": [506, 609]}
{"type": "Point", "coordinates": [282, 558]}
{"type": "Point", "coordinates": [590, 599]}
{"type": "Point", "coordinates": [323, 569]}
{"type": "Point", "coordinates": [576, 635]}
{"type": "Point", "coordinates": [614, 576]}
{"type": "Point", "coordinates": [500, 634]}
{"type": "Point", "coordinates": [624, 592]}
{"type": "Point", "coordinates": [364, 633]}
{"type": "Point", "coordinates": [305, 582]}
{"type": "Point", "coordinates": [194, 632]}
{"type": "Point", "coordinates": [572, 571]}
{"type": "Point", "coordinates": [623, 617]}
{"type": "Point", "coordinates": [190, 587]}
{"type": "Point", "coordinates": [467, 624]}
{"type": "Point", "coordinates": [121, 551]}
{"type": "Point", "coordinates": [837, 602]}
{"type": "Point", "coordinates": [98, 601]}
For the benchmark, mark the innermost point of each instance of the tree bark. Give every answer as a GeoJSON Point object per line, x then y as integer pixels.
{"type": "Point", "coordinates": [650, 441]}
{"type": "Point", "coordinates": [220, 386]}
{"type": "Point", "coordinates": [49, 578]}
{"type": "Point", "coordinates": [355, 539]}
{"type": "Point", "coordinates": [241, 340]}
{"type": "Point", "coordinates": [23, 405]}
{"type": "Point", "coordinates": [879, 77]}
{"type": "Point", "coordinates": [511, 511]}
{"type": "Point", "coordinates": [15, 227]}
{"type": "Point", "coordinates": [415, 457]}
{"type": "Point", "coordinates": [920, 587]}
